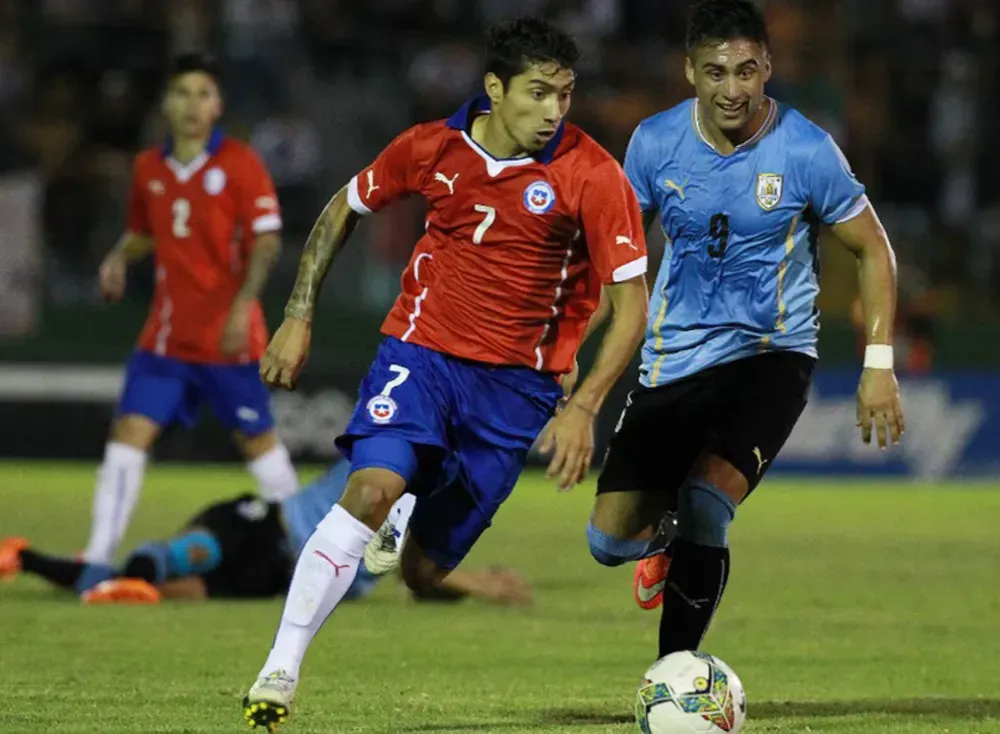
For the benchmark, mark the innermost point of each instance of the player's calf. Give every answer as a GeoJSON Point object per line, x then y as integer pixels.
{"type": "Point", "coordinates": [119, 481]}
{"type": "Point", "coordinates": [269, 463]}
{"type": "Point", "coordinates": [699, 568]}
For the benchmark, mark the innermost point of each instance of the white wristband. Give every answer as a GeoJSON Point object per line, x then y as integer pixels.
{"type": "Point", "coordinates": [878, 357]}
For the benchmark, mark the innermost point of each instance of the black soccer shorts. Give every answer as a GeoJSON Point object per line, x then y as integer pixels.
{"type": "Point", "coordinates": [742, 411]}
{"type": "Point", "coordinates": [256, 559]}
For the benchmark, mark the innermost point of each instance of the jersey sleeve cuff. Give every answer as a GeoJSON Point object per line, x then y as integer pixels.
{"type": "Point", "coordinates": [630, 270]}
{"type": "Point", "coordinates": [859, 206]}
{"type": "Point", "coordinates": [354, 198]}
{"type": "Point", "coordinates": [267, 223]}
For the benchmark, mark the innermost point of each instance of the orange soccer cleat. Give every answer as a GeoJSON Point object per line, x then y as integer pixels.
{"type": "Point", "coordinates": [650, 580]}
{"type": "Point", "coordinates": [10, 556]}
{"type": "Point", "coordinates": [122, 591]}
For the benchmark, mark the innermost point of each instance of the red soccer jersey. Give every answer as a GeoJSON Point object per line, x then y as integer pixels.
{"type": "Point", "coordinates": [203, 217]}
{"type": "Point", "coordinates": [505, 271]}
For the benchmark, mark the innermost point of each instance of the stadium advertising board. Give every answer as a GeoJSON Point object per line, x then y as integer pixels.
{"type": "Point", "coordinates": [952, 419]}
{"type": "Point", "coordinates": [952, 429]}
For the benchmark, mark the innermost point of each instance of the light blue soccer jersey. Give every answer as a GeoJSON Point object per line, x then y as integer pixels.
{"type": "Point", "coordinates": [740, 273]}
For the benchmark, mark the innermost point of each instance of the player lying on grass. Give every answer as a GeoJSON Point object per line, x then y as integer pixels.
{"type": "Point", "coordinates": [245, 548]}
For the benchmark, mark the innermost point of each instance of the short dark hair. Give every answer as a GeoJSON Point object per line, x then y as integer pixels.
{"type": "Point", "coordinates": [192, 62]}
{"type": "Point", "coordinates": [725, 20]}
{"type": "Point", "coordinates": [514, 45]}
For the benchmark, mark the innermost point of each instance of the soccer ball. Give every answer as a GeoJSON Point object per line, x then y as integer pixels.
{"type": "Point", "coordinates": [690, 693]}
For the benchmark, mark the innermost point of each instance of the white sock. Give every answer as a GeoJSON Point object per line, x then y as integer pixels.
{"type": "Point", "coordinates": [119, 480]}
{"type": "Point", "coordinates": [325, 571]}
{"type": "Point", "coordinates": [275, 475]}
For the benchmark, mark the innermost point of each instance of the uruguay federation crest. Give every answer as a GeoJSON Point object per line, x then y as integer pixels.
{"type": "Point", "coordinates": [769, 187]}
{"type": "Point", "coordinates": [539, 197]}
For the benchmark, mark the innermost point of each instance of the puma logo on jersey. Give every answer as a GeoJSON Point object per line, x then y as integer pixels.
{"type": "Point", "coordinates": [623, 240]}
{"type": "Point", "coordinates": [449, 182]}
{"type": "Point", "coordinates": [761, 461]}
{"type": "Point", "coordinates": [670, 184]}
{"type": "Point", "coordinates": [371, 183]}
{"type": "Point", "coordinates": [156, 187]}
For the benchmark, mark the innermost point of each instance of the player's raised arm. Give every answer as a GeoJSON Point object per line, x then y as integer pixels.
{"type": "Point", "coordinates": [289, 347]}
{"type": "Point", "coordinates": [840, 201]}
{"type": "Point", "coordinates": [612, 228]}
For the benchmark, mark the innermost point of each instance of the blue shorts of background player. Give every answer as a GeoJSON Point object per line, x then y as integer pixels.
{"type": "Point", "coordinates": [454, 433]}
{"type": "Point", "coordinates": [169, 391]}
{"type": "Point", "coordinates": [160, 391]}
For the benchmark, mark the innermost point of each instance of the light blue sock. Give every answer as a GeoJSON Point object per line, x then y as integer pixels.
{"type": "Point", "coordinates": [610, 551]}
{"type": "Point", "coordinates": [704, 514]}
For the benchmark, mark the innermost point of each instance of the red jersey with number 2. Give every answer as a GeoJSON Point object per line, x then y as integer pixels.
{"type": "Point", "coordinates": [203, 218]}
{"type": "Point", "coordinates": [510, 267]}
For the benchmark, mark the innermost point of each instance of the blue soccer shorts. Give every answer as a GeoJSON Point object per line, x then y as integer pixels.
{"type": "Point", "coordinates": [457, 431]}
{"type": "Point", "coordinates": [168, 391]}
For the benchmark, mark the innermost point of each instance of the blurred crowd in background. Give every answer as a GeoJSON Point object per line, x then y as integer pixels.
{"type": "Point", "coordinates": [909, 88]}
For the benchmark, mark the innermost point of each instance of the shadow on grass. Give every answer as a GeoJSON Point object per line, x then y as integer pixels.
{"type": "Point", "coordinates": [969, 709]}
{"type": "Point", "coordinates": [955, 708]}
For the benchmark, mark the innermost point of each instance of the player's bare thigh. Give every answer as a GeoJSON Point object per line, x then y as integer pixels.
{"type": "Point", "coordinates": [253, 447]}
{"type": "Point", "coordinates": [636, 514]}
{"type": "Point", "coordinates": [136, 431]}
{"type": "Point", "coordinates": [371, 493]}
{"type": "Point", "coordinates": [716, 471]}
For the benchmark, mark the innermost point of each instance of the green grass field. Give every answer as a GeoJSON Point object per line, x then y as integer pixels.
{"type": "Point", "coordinates": [852, 608]}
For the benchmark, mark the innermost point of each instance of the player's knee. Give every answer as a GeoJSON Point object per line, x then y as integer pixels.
{"type": "Point", "coordinates": [609, 550]}
{"type": "Point", "coordinates": [136, 431]}
{"type": "Point", "coordinates": [254, 447]}
{"type": "Point", "coordinates": [369, 496]}
{"type": "Point", "coordinates": [704, 514]}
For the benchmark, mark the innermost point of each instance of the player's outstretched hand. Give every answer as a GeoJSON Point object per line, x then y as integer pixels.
{"type": "Point", "coordinates": [111, 277]}
{"type": "Point", "coordinates": [501, 585]}
{"type": "Point", "coordinates": [236, 332]}
{"type": "Point", "coordinates": [879, 405]}
{"type": "Point", "coordinates": [569, 437]}
{"type": "Point", "coordinates": [286, 354]}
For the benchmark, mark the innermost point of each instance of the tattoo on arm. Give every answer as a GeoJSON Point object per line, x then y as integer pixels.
{"type": "Point", "coordinates": [328, 236]}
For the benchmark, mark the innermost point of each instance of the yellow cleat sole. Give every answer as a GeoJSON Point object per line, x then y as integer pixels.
{"type": "Point", "coordinates": [264, 716]}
